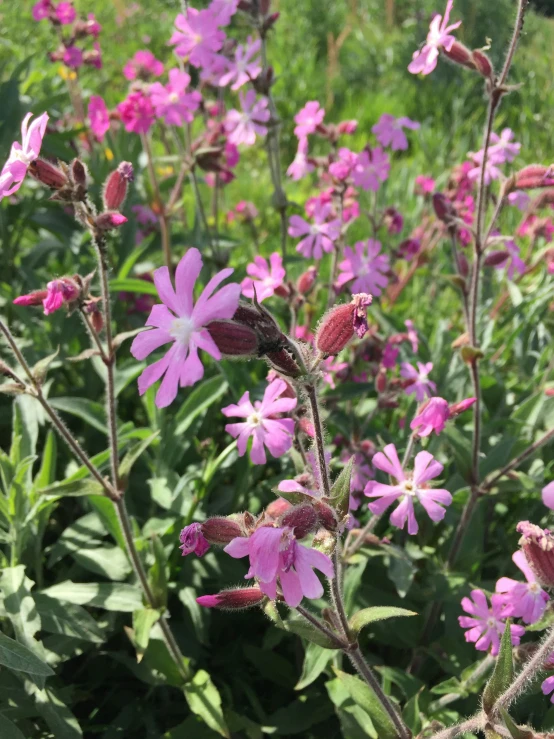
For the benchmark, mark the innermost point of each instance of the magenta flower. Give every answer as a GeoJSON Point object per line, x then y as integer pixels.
{"type": "Point", "coordinates": [223, 10]}
{"type": "Point", "coordinates": [193, 540]}
{"type": "Point", "coordinates": [21, 155]}
{"type": "Point", "coordinates": [371, 169]}
{"type": "Point", "coordinates": [425, 185]}
{"type": "Point", "coordinates": [72, 57]}
{"type": "Point", "coordinates": [181, 322]}
{"type": "Point", "coordinates": [485, 625]}
{"type": "Point", "coordinates": [65, 13]}
{"type": "Point", "coordinates": [265, 278]}
{"type": "Point", "coordinates": [420, 383]}
{"type": "Point", "coordinates": [137, 112]}
{"type": "Point", "coordinates": [173, 103]}
{"type": "Point", "coordinates": [345, 163]}
{"type": "Point", "coordinates": [276, 557]}
{"type": "Point", "coordinates": [261, 424]}
{"type": "Point", "coordinates": [407, 488]}
{"type": "Point", "coordinates": [300, 167]}
{"type": "Point", "coordinates": [57, 293]}
{"type": "Point", "coordinates": [244, 67]}
{"type": "Point", "coordinates": [99, 117]}
{"type": "Point", "coordinates": [548, 495]}
{"type": "Point", "coordinates": [197, 36]}
{"type": "Point", "coordinates": [390, 355]}
{"type": "Point", "coordinates": [412, 335]}
{"type": "Point", "coordinates": [41, 10]}
{"type": "Point", "coordinates": [548, 687]}
{"type": "Point", "coordinates": [425, 59]}
{"type": "Point", "coordinates": [432, 417]}
{"type": "Point", "coordinates": [519, 199]}
{"type": "Point", "coordinates": [308, 119]}
{"type": "Point", "coordinates": [389, 131]}
{"type": "Point", "coordinates": [513, 261]}
{"type": "Point", "coordinates": [320, 236]}
{"type": "Point", "coordinates": [242, 127]}
{"type": "Point", "coordinates": [143, 65]}
{"type": "Point", "coordinates": [366, 266]}
{"type": "Point", "coordinates": [522, 600]}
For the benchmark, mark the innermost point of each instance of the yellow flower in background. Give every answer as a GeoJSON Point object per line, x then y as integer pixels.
{"type": "Point", "coordinates": [165, 171]}
{"type": "Point", "coordinates": [108, 153]}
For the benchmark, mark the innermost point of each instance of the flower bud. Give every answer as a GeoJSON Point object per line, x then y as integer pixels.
{"type": "Point", "coordinates": [326, 516]}
{"type": "Point", "coordinates": [496, 258]}
{"type": "Point", "coordinates": [444, 209]}
{"type": "Point", "coordinates": [339, 325]}
{"type": "Point", "coordinates": [347, 127]}
{"type": "Point", "coordinates": [307, 427]}
{"type": "Point", "coordinates": [48, 174]}
{"type": "Point", "coordinates": [306, 281]}
{"type": "Point", "coordinates": [324, 541]}
{"type": "Point", "coordinates": [260, 320]}
{"type": "Point", "coordinates": [232, 600]}
{"type": "Point", "coordinates": [233, 339]}
{"type": "Point", "coordinates": [192, 540]}
{"type": "Point", "coordinates": [457, 408]}
{"type": "Point", "coordinates": [116, 185]}
{"type": "Point", "coordinates": [531, 177]}
{"type": "Point", "coordinates": [92, 306]}
{"type": "Point", "coordinates": [538, 546]}
{"type": "Point", "coordinates": [109, 220]}
{"type": "Point", "coordinates": [482, 63]}
{"type": "Point", "coordinates": [34, 298]}
{"type": "Point", "coordinates": [284, 363]}
{"type": "Point", "coordinates": [220, 530]}
{"type": "Point", "coordinates": [381, 381]}
{"type": "Point", "coordinates": [277, 507]}
{"type": "Point", "coordinates": [79, 172]}
{"type": "Point", "coordinates": [302, 519]}
{"type": "Point", "coordinates": [459, 54]}
{"type": "Point", "coordinates": [463, 265]}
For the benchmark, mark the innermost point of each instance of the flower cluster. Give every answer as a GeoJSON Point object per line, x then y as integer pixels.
{"type": "Point", "coordinates": [72, 30]}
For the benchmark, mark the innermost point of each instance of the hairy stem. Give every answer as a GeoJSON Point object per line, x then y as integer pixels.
{"type": "Point", "coordinates": [320, 626]}
{"type": "Point", "coordinates": [472, 724]}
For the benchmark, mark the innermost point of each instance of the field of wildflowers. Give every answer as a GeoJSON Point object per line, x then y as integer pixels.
{"type": "Point", "coordinates": [276, 327]}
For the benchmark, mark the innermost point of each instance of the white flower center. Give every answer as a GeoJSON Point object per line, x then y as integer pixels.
{"type": "Point", "coordinates": [173, 97]}
{"type": "Point", "coordinates": [182, 329]}
{"type": "Point", "coordinates": [534, 588]}
{"type": "Point", "coordinates": [408, 487]}
{"type": "Point", "coordinates": [422, 377]}
{"type": "Point", "coordinates": [491, 623]}
{"type": "Point", "coordinates": [254, 419]}
{"type": "Point", "coordinates": [22, 157]}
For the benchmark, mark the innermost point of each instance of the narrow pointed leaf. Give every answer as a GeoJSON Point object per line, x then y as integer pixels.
{"type": "Point", "coordinates": [340, 492]}
{"type": "Point", "coordinates": [364, 697]}
{"type": "Point", "coordinates": [503, 673]}
{"type": "Point", "coordinates": [376, 613]}
{"type": "Point", "coordinates": [204, 700]}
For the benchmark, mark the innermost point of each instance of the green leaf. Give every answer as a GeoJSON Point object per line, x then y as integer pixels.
{"type": "Point", "coordinates": [340, 492]}
{"type": "Point", "coordinates": [40, 370]}
{"type": "Point", "coordinates": [376, 613]}
{"type": "Point", "coordinates": [20, 607]}
{"type": "Point", "coordinates": [57, 715]}
{"type": "Point", "coordinates": [316, 659]}
{"type": "Point", "coordinates": [133, 285]}
{"type": "Point", "coordinates": [503, 673]}
{"type": "Point", "coordinates": [187, 596]}
{"type": "Point", "coordinates": [134, 453]}
{"type": "Point", "coordinates": [412, 715]}
{"type": "Point", "coordinates": [143, 621]}
{"type": "Point", "coordinates": [201, 398]}
{"type": "Point", "coordinates": [364, 697]}
{"type": "Point", "coordinates": [516, 732]}
{"type": "Point", "coordinates": [94, 414]}
{"type": "Point", "coordinates": [47, 473]}
{"type": "Point", "coordinates": [157, 573]}
{"type": "Point", "coordinates": [71, 488]}
{"type": "Point", "coordinates": [67, 619]}
{"type": "Point", "coordinates": [17, 657]}
{"type": "Point", "coordinates": [8, 729]}
{"type": "Point", "coordinates": [111, 596]}
{"type": "Point", "coordinates": [204, 700]}
{"type": "Point", "coordinates": [302, 628]}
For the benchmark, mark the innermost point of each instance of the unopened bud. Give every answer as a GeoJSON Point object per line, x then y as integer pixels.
{"type": "Point", "coordinates": [109, 220]}
{"type": "Point", "coordinates": [326, 516]}
{"type": "Point", "coordinates": [532, 177]}
{"type": "Point", "coordinates": [482, 63]}
{"type": "Point", "coordinates": [347, 127]}
{"type": "Point", "coordinates": [284, 363]}
{"type": "Point", "coordinates": [270, 21]}
{"type": "Point", "coordinates": [538, 546]}
{"type": "Point", "coordinates": [496, 258]}
{"type": "Point", "coordinates": [306, 281]}
{"type": "Point", "coordinates": [457, 408]}
{"type": "Point", "coordinates": [459, 54]}
{"type": "Point", "coordinates": [463, 265]}
{"type": "Point", "coordinates": [48, 174]}
{"type": "Point", "coordinates": [92, 307]}
{"type": "Point", "coordinates": [232, 600]}
{"type": "Point", "coordinates": [233, 339]}
{"type": "Point", "coordinates": [116, 185]}
{"type": "Point", "coordinates": [256, 317]}
{"type": "Point", "coordinates": [79, 172]}
{"type": "Point", "coordinates": [307, 427]}
{"type": "Point", "coordinates": [324, 541]}
{"type": "Point", "coordinates": [34, 298]}
{"type": "Point", "coordinates": [220, 530]}
{"type": "Point", "coordinates": [444, 209]}
{"type": "Point", "coordinates": [302, 519]}
{"type": "Point", "coordinates": [381, 381]}
{"type": "Point", "coordinates": [341, 323]}
{"type": "Point", "coordinates": [277, 507]}
{"type": "Point", "coordinates": [192, 540]}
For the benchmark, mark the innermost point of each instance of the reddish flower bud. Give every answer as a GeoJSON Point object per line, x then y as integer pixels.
{"type": "Point", "coordinates": [339, 325]}
{"type": "Point", "coordinates": [270, 21]}
{"type": "Point", "coordinates": [284, 363]}
{"type": "Point", "coordinates": [531, 177]}
{"type": "Point", "coordinates": [34, 298]}
{"type": "Point", "coordinates": [457, 408]}
{"type": "Point", "coordinates": [116, 185]}
{"type": "Point", "coordinates": [538, 546]}
{"type": "Point", "coordinates": [459, 54]}
{"type": "Point", "coordinates": [79, 172]}
{"type": "Point", "coordinates": [326, 516]}
{"type": "Point", "coordinates": [233, 339]}
{"type": "Point", "coordinates": [302, 519]}
{"type": "Point", "coordinates": [381, 381]}
{"type": "Point", "coordinates": [482, 63]}
{"type": "Point", "coordinates": [192, 540]}
{"type": "Point", "coordinates": [463, 265]}
{"type": "Point", "coordinates": [347, 127]}
{"type": "Point", "coordinates": [92, 306]}
{"type": "Point", "coordinates": [109, 220]}
{"type": "Point", "coordinates": [496, 258]}
{"type": "Point", "coordinates": [307, 427]}
{"type": "Point", "coordinates": [256, 317]}
{"type": "Point", "coordinates": [277, 507]}
{"type": "Point", "coordinates": [306, 281]}
{"type": "Point", "coordinates": [220, 530]}
{"type": "Point", "coordinates": [444, 209]}
{"type": "Point", "coordinates": [232, 600]}
{"type": "Point", "coordinates": [48, 174]}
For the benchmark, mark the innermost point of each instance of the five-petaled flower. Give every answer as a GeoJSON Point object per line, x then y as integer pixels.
{"type": "Point", "coordinates": [197, 37]}
{"type": "Point", "coordinates": [485, 625]}
{"type": "Point", "coordinates": [308, 119]}
{"type": "Point", "coordinates": [242, 126]}
{"type": "Point", "coordinates": [432, 417]}
{"type": "Point", "coordinates": [319, 236]}
{"type": "Point", "coordinates": [425, 59]}
{"type": "Point", "coordinates": [366, 266]}
{"type": "Point", "coordinates": [172, 102]}
{"type": "Point", "coordinates": [525, 600]}
{"type": "Point", "coordinates": [372, 167]}
{"type": "Point", "coordinates": [420, 384]}
{"type": "Point", "coordinates": [389, 131]}
{"type": "Point", "coordinates": [264, 278]}
{"type": "Point", "coordinates": [245, 66]}
{"type": "Point", "coordinates": [21, 155]}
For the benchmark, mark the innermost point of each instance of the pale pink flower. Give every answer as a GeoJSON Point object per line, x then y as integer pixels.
{"type": "Point", "coordinates": [522, 600]}
{"type": "Point", "coordinates": [432, 417]}
{"type": "Point", "coordinates": [485, 625]}
{"type": "Point", "coordinates": [179, 321]}
{"type": "Point", "coordinates": [172, 102]}
{"type": "Point", "coordinates": [514, 262]}
{"type": "Point", "coordinates": [361, 474]}
{"type": "Point", "coordinates": [502, 148]}
{"type": "Point", "coordinates": [425, 60]}
{"type": "Point", "coordinates": [519, 199]}
{"type": "Point", "coordinates": [214, 68]}
{"type": "Point", "coordinates": [412, 335]}
{"type": "Point", "coordinates": [223, 10]}
{"type": "Point", "coordinates": [21, 155]}
{"type": "Point", "coordinates": [244, 67]}
{"type": "Point", "coordinates": [366, 266]}
{"type": "Point", "coordinates": [371, 169]}
{"type": "Point", "coordinates": [197, 36]}
{"type": "Point", "coordinates": [72, 57]}
{"type": "Point", "coordinates": [242, 127]}
{"type": "Point", "coordinates": [137, 112]}
{"type": "Point", "coordinates": [276, 557]}
{"type": "Point", "coordinates": [65, 13]}
{"type": "Point", "coordinates": [408, 487]}
{"type": "Point", "coordinates": [420, 384]}
{"type": "Point", "coordinates": [319, 237]}
{"type": "Point", "coordinates": [331, 368]}
{"type": "Point", "coordinates": [547, 686]}
{"type": "Point", "coordinates": [143, 65]}
{"type": "Point", "coordinates": [492, 172]}
{"type": "Point", "coordinates": [193, 540]}
{"type": "Point", "coordinates": [265, 278]}
{"type": "Point", "coordinates": [99, 117]}
{"type": "Point", "coordinates": [345, 163]}
{"type": "Point", "coordinates": [300, 167]}
{"type": "Point", "coordinates": [425, 185]}
{"type": "Point", "coordinates": [308, 119]}
{"type": "Point", "coordinates": [261, 424]}
{"type": "Point", "coordinates": [548, 495]}
{"type": "Point", "coordinates": [389, 131]}
{"type": "Point", "coordinates": [41, 10]}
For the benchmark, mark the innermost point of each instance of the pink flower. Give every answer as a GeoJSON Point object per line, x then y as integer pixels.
{"type": "Point", "coordinates": [361, 474]}
{"type": "Point", "coordinates": [320, 236]}
{"type": "Point", "coordinates": [94, 56]}
{"type": "Point", "coordinates": [420, 384]}
{"type": "Point", "coordinates": [143, 65]}
{"type": "Point", "coordinates": [432, 417]}
{"type": "Point", "coordinates": [172, 102]}
{"type": "Point", "coordinates": [59, 292]}
{"type": "Point", "coordinates": [21, 155]}
{"type": "Point", "coordinates": [182, 323]}
{"type": "Point", "coordinates": [260, 424]}
{"type": "Point", "coordinates": [275, 555]}
{"type": "Point", "coordinates": [244, 68]}
{"type": "Point", "coordinates": [485, 625]}
{"type": "Point", "coordinates": [300, 167]}
{"type": "Point", "coordinates": [223, 10]}
{"type": "Point", "coordinates": [409, 248]}
{"type": "Point", "coordinates": [92, 27]}
{"type": "Point", "coordinates": [491, 170]}
{"type": "Point", "coordinates": [331, 368]}
{"type": "Point", "coordinates": [389, 131]}
{"type": "Point", "coordinates": [265, 278]}
{"type": "Point", "coordinates": [412, 335]}
{"type": "Point", "coordinates": [72, 57]}
{"type": "Point", "coordinates": [137, 112]}
{"type": "Point", "coordinates": [522, 600]}
{"type": "Point", "coordinates": [366, 266]}
{"type": "Point", "coordinates": [547, 687]}
{"type": "Point", "coordinates": [41, 10]}
{"type": "Point", "coordinates": [193, 540]}
{"type": "Point", "coordinates": [514, 262]}
{"type": "Point", "coordinates": [390, 355]}
{"type": "Point", "coordinates": [519, 199]}
{"type": "Point", "coordinates": [197, 36]}
{"type": "Point", "coordinates": [99, 117]}
{"type": "Point", "coordinates": [425, 185]}
{"type": "Point", "coordinates": [343, 166]}
{"type": "Point", "coordinates": [308, 119]}
{"type": "Point", "coordinates": [371, 169]}
{"type": "Point", "coordinates": [502, 148]}
{"type": "Point", "coordinates": [242, 127]}
{"type": "Point", "coordinates": [65, 13]}
{"type": "Point", "coordinates": [425, 59]}
{"type": "Point", "coordinates": [548, 495]}
{"type": "Point", "coordinates": [407, 488]}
